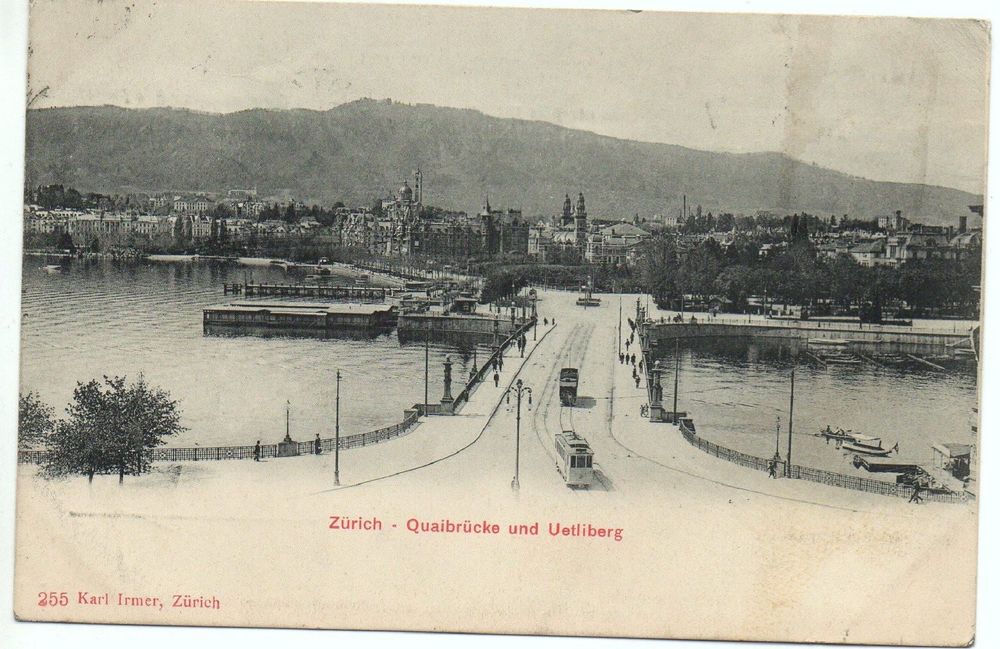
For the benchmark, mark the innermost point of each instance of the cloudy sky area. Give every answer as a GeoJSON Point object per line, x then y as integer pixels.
{"type": "Point", "coordinates": [889, 99]}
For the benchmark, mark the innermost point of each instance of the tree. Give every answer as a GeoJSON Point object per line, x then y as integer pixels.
{"type": "Point", "coordinates": [66, 242]}
{"type": "Point", "coordinates": [112, 427]}
{"type": "Point", "coordinates": [34, 421]}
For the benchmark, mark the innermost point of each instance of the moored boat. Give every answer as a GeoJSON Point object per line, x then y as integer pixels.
{"type": "Point", "coordinates": [867, 445]}
{"type": "Point", "coordinates": [828, 342]}
{"type": "Point", "coordinates": [838, 435]}
{"type": "Point", "coordinates": [52, 268]}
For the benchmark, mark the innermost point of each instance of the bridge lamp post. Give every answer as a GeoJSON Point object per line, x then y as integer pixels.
{"type": "Point", "coordinates": [519, 389]}
{"type": "Point", "coordinates": [336, 437]}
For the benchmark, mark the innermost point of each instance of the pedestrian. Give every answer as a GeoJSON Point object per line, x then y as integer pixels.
{"type": "Point", "coordinates": [317, 445]}
{"type": "Point", "coordinates": [553, 322]}
{"type": "Point", "coordinates": [256, 451]}
{"type": "Point", "coordinates": [771, 469]}
{"type": "Point", "coordinates": [496, 379]}
{"type": "Point", "coordinates": [545, 321]}
{"type": "Point", "coordinates": [915, 498]}
{"type": "Point", "coordinates": [637, 381]}
{"type": "Point", "coordinates": [640, 364]}
{"type": "Point", "coordinates": [633, 359]}
{"type": "Point", "coordinates": [500, 361]}
{"type": "Point", "coordinates": [627, 343]}
{"type": "Point", "coordinates": [621, 358]}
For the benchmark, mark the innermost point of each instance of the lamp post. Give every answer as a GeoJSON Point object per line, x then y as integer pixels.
{"type": "Point", "coordinates": [336, 437]}
{"type": "Point", "coordinates": [427, 365]}
{"type": "Point", "coordinates": [619, 325]}
{"type": "Point", "coordinates": [791, 406]}
{"type": "Point", "coordinates": [519, 389]}
{"type": "Point", "coordinates": [534, 315]}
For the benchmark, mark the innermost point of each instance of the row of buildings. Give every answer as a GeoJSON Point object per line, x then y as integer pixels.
{"type": "Point", "coordinates": [404, 227]}
{"type": "Point", "coordinates": [904, 241]}
{"type": "Point", "coordinates": [83, 227]}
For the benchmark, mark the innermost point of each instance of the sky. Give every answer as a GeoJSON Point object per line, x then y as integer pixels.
{"type": "Point", "coordinates": [887, 98]}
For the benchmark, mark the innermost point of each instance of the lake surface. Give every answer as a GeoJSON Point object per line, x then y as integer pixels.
{"type": "Point", "coordinates": [101, 318]}
{"type": "Point", "coordinates": [735, 389]}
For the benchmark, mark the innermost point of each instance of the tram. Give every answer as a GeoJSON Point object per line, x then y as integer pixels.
{"type": "Point", "coordinates": [575, 461]}
{"type": "Point", "coordinates": [569, 377]}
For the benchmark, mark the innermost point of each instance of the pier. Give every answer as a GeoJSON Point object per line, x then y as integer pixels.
{"type": "Point", "coordinates": [351, 293]}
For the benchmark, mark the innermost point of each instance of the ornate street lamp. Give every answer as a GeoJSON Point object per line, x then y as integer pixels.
{"type": "Point", "coordinates": [518, 389]}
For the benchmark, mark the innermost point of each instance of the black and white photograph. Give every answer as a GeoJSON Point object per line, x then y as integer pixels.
{"type": "Point", "coordinates": [500, 320]}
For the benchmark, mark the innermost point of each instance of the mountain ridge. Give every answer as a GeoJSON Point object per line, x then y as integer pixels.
{"type": "Point", "coordinates": [364, 149]}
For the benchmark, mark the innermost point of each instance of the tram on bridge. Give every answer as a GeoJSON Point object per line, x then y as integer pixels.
{"type": "Point", "coordinates": [575, 461]}
{"type": "Point", "coordinates": [569, 377]}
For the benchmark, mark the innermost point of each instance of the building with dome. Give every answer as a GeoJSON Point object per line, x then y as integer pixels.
{"type": "Point", "coordinates": [565, 237]}
{"type": "Point", "coordinates": [402, 225]}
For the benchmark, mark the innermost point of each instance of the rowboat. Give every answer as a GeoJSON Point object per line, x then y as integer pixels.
{"type": "Point", "coordinates": [867, 445]}
{"type": "Point", "coordinates": [828, 342]}
{"type": "Point", "coordinates": [837, 435]}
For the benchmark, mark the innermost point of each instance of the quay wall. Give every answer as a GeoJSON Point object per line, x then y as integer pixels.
{"type": "Point", "coordinates": [417, 323]}
{"type": "Point", "coordinates": [658, 332]}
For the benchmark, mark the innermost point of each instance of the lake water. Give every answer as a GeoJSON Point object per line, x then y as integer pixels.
{"type": "Point", "coordinates": [101, 318]}
{"type": "Point", "coordinates": [735, 389]}
{"type": "Point", "coordinates": [106, 319]}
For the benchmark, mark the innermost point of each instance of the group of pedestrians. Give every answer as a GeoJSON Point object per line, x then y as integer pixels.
{"type": "Point", "coordinates": [497, 368]}
{"type": "Point", "coordinates": [630, 359]}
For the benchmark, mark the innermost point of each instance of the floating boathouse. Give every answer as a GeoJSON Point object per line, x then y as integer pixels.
{"type": "Point", "coordinates": [301, 315]}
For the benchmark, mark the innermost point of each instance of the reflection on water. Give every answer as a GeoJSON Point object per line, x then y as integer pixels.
{"type": "Point", "coordinates": [736, 389]}
{"type": "Point", "coordinates": [100, 318]}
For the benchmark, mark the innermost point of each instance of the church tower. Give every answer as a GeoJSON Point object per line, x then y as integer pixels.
{"type": "Point", "coordinates": [567, 212]}
{"type": "Point", "coordinates": [418, 187]}
{"type": "Point", "coordinates": [580, 219]}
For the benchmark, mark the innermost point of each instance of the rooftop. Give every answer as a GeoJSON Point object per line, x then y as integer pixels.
{"type": "Point", "coordinates": [303, 307]}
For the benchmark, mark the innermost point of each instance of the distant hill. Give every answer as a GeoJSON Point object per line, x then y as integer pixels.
{"type": "Point", "coordinates": [364, 149]}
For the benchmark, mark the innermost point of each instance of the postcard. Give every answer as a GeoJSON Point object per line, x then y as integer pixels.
{"type": "Point", "coordinates": [502, 320]}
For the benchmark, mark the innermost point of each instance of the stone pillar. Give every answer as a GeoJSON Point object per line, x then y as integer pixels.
{"type": "Point", "coordinates": [447, 398]}
{"type": "Point", "coordinates": [656, 398]}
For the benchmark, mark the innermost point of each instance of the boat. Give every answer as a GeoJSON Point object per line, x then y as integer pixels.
{"type": "Point", "coordinates": [839, 358]}
{"type": "Point", "coordinates": [838, 435]}
{"type": "Point", "coordinates": [53, 268]}
{"type": "Point", "coordinates": [867, 445]}
{"type": "Point", "coordinates": [828, 342]}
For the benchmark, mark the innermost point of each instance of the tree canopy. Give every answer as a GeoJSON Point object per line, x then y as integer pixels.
{"type": "Point", "coordinates": [112, 427]}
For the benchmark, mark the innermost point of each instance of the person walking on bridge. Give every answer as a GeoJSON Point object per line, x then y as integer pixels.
{"type": "Point", "coordinates": [496, 378]}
